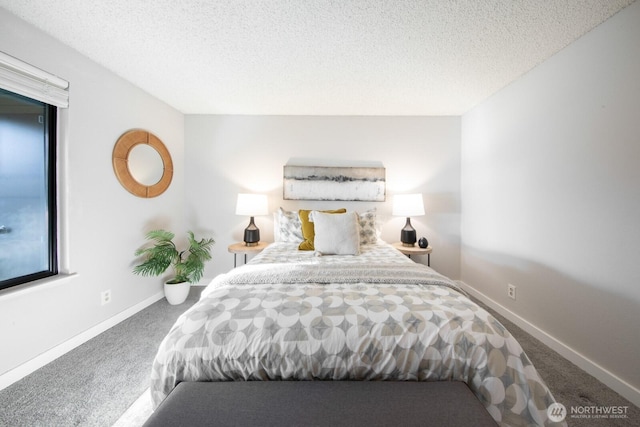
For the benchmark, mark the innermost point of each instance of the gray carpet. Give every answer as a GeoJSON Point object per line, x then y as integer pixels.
{"type": "Point", "coordinates": [94, 384]}
{"type": "Point", "coordinates": [569, 384]}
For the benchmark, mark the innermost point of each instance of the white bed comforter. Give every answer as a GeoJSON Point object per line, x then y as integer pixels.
{"type": "Point", "coordinates": [293, 316]}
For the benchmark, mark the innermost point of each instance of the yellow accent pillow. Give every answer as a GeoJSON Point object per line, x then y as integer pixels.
{"type": "Point", "coordinates": [308, 231]}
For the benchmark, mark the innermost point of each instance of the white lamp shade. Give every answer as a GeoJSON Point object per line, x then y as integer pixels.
{"type": "Point", "coordinates": [252, 205]}
{"type": "Point", "coordinates": [408, 205]}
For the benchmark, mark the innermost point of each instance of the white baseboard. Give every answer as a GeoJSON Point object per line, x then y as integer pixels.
{"type": "Point", "coordinates": [609, 379]}
{"type": "Point", "coordinates": [48, 356]}
{"type": "Point", "coordinates": [615, 383]}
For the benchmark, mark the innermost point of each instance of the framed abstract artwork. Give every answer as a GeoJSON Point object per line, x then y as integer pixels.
{"type": "Point", "coordinates": [334, 183]}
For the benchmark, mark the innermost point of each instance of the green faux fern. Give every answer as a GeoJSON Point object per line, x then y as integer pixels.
{"type": "Point", "coordinates": [188, 265]}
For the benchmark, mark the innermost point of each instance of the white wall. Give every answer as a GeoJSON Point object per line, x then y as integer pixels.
{"type": "Point", "coordinates": [551, 197]}
{"type": "Point", "coordinates": [103, 224]}
{"type": "Point", "coordinates": [231, 154]}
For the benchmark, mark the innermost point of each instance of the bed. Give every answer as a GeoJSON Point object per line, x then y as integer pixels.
{"type": "Point", "coordinates": [371, 315]}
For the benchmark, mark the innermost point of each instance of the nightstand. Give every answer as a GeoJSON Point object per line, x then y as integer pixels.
{"type": "Point", "coordinates": [414, 250]}
{"type": "Point", "coordinates": [242, 248]}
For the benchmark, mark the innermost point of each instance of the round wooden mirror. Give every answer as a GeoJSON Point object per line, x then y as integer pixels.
{"type": "Point", "coordinates": [145, 164]}
{"type": "Point", "coordinates": [122, 164]}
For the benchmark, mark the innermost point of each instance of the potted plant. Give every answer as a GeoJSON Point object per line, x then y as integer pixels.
{"type": "Point", "coordinates": [188, 265]}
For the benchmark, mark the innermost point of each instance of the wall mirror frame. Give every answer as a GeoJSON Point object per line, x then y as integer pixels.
{"type": "Point", "coordinates": [120, 158]}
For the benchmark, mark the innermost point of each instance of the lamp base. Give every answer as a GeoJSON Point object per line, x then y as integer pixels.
{"type": "Point", "coordinates": [408, 234]}
{"type": "Point", "coordinates": [251, 234]}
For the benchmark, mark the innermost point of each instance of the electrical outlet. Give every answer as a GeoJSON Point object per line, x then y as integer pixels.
{"type": "Point", "coordinates": [511, 291]}
{"type": "Point", "coordinates": [105, 297]}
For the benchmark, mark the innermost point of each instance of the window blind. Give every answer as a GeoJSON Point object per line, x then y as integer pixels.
{"type": "Point", "coordinates": [24, 79]}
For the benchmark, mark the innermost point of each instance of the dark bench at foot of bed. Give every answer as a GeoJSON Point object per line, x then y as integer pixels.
{"type": "Point", "coordinates": [321, 403]}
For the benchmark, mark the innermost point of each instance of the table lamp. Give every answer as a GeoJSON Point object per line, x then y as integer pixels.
{"type": "Point", "coordinates": [251, 205]}
{"type": "Point", "coordinates": [408, 205]}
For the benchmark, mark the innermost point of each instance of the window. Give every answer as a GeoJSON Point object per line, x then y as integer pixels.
{"type": "Point", "coordinates": [29, 103]}
{"type": "Point", "coordinates": [28, 244]}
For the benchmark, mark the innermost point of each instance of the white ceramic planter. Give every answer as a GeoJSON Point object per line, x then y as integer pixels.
{"type": "Point", "coordinates": [176, 293]}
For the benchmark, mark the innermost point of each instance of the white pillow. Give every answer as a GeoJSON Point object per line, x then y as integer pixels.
{"type": "Point", "coordinates": [336, 234]}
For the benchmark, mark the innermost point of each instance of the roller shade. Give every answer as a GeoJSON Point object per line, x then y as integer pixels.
{"type": "Point", "coordinates": [24, 79]}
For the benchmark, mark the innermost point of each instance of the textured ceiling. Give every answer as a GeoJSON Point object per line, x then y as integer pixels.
{"type": "Point", "coordinates": [318, 57]}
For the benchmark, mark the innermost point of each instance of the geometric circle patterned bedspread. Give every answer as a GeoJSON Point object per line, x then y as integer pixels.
{"type": "Point", "coordinates": [352, 331]}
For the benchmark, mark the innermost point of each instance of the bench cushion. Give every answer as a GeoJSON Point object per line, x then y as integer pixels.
{"type": "Point", "coordinates": [321, 403]}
